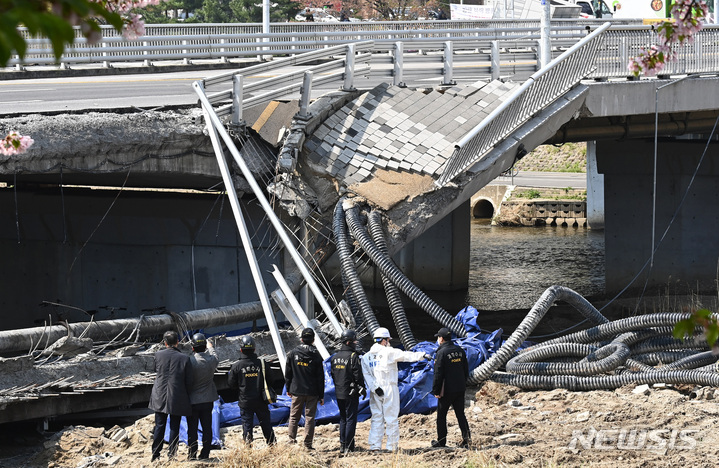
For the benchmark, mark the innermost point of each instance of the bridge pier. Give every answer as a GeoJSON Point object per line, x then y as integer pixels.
{"type": "Point", "coordinates": [686, 258]}
{"type": "Point", "coordinates": [595, 189]}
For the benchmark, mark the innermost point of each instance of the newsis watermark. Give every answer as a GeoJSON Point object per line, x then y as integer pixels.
{"type": "Point", "coordinates": [634, 439]}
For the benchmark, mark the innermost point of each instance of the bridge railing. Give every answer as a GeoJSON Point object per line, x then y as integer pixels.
{"type": "Point", "coordinates": [620, 45]}
{"type": "Point", "coordinates": [541, 89]}
{"type": "Point", "coordinates": [226, 41]}
{"type": "Point", "coordinates": [354, 61]}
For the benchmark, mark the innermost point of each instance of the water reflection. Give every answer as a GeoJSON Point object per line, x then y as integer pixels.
{"type": "Point", "coordinates": [510, 267]}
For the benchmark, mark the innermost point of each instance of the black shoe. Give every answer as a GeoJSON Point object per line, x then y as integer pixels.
{"type": "Point", "coordinates": [309, 447]}
{"type": "Point", "coordinates": [437, 444]}
{"type": "Point", "coordinates": [465, 444]}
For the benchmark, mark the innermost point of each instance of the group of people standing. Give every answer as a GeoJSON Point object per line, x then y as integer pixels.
{"type": "Point", "coordinates": [184, 387]}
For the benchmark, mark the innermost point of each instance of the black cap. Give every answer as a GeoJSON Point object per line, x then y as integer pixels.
{"type": "Point", "coordinates": [308, 334]}
{"type": "Point", "coordinates": [444, 333]}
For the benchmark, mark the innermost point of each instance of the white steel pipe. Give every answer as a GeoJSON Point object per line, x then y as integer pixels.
{"type": "Point", "coordinates": [299, 261]}
{"type": "Point", "coordinates": [299, 312]}
{"type": "Point", "coordinates": [244, 234]}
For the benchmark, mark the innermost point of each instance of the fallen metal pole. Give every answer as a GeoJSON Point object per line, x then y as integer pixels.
{"type": "Point", "coordinates": [271, 216]}
{"type": "Point", "coordinates": [245, 236]}
{"type": "Point", "coordinates": [299, 318]}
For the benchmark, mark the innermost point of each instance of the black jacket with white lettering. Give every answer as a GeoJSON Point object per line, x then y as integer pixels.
{"type": "Point", "coordinates": [347, 372]}
{"type": "Point", "coordinates": [450, 369]}
{"type": "Point", "coordinates": [304, 374]}
{"type": "Point", "coordinates": [246, 376]}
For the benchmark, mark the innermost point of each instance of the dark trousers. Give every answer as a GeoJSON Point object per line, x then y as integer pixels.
{"type": "Point", "coordinates": [348, 422]}
{"type": "Point", "coordinates": [158, 434]}
{"type": "Point", "coordinates": [259, 408]}
{"type": "Point", "coordinates": [456, 401]}
{"type": "Point", "coordinates": [202, 413]}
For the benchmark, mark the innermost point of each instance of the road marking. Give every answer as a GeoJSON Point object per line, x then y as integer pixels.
{"type": "Point", "coordinates": [32, 89]}
{"type": "Point", "coordinates": [20, 102]}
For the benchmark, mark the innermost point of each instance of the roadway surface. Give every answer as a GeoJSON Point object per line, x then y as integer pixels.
{"type": "Point", "coordinates": [545, 179]}
{"type": "Point", "coordinates": [156, 90]}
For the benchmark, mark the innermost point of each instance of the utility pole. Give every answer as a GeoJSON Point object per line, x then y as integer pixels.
{"type": "Point", "coordinates": [546, 26]}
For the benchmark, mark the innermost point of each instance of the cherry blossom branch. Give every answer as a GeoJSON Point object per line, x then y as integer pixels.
{"type": "Point", "coordinates": [14, 143]}
{"type": "Point", "coordinates": [686, 21]}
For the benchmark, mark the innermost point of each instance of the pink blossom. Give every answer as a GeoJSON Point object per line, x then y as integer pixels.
{"type": "Point", "coordinates": [14, 143]}
{"type": "Point", "coordinates": [134, 28]}
{"type": "Point", "coordinates": [687, 18]}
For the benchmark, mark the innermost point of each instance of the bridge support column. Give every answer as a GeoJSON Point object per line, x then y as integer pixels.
{"type": "Point", "coordinates": [438, 260]}
{"type": "Point", "coordinates": [595, 189]}
{"type": "Point", "coordinates": [686, 259]}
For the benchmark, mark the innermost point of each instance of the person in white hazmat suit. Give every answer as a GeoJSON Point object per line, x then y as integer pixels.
{"type": "Point", "coordinates": [379, 366]}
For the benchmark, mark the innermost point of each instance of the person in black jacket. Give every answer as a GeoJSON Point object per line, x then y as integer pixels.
{"type": "Point", "coordinates": [170, 394]}
{"type": "Point", "coordinates": [246, 375]}
{"type": "Point", "coordinates": [305, 381]}
{"type": "Point", "coordinates": [349, 385]}
{"type": "Point", "coordinates": [450, 381]}
{"type": "Point", "coordinates": [202, 396]}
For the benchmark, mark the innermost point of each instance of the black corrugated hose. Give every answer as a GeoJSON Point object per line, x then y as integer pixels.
{"type": "Point", "coordinates": [349, 272]}
{"type": "Point", "coordinates": [393, 297]}
{"type": "Point", "coordinates": [387, 267]}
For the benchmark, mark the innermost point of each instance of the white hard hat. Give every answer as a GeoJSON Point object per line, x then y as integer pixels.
{"type": "Point", "coordinates": [380, 333]}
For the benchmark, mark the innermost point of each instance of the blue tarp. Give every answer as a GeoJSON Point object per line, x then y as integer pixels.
{"type": "Point", "coordinates": [415, 382]}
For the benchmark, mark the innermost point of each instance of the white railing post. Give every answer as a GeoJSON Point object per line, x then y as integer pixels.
{"type": "Point", "coordinates": [623, 51]}
{"type": "Point", "coordinates": [185, 60]}
{"type": "Point", "coordinates": [223, 57]}
{"type": "Point", "coordinates": [698, 56]}
{"type": "Point", "coordinates": [305, 93]}
{"type": "Point", "coordinates": [398, 64]}
{"type": "Point", "coordinates": [495, 62]}
{"type": "Point", "coordinates": [237, 98]}
{"type": "Point", "coordinates": [105, 63]}
{"type": "Point", "coordinates": [348, 84]}
{"type": "Point", "coordinates": [448, 64]}
{"type": "Point", "coordinates": [147, 62]}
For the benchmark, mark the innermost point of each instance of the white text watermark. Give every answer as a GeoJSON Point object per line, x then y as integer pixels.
{"type": "Point", "coordinates": [634, 439]}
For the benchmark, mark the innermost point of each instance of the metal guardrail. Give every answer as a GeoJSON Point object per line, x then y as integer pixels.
{"type": "Point", "coordinates": [230, 101]}
{"type": "Point", "coordinates": [226, 41]}
{"type": "Point", "coordinates": [620, 45]}
{"type": "Point", "coordinates": [538, 91]}
{"type": "Point", "coordinates": [602, 55]}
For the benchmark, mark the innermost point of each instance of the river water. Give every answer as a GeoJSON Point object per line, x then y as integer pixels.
{"type": "Point", "coordinates": [510, 267]}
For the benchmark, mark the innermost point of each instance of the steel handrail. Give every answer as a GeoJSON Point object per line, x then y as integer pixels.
{"type": "Point", "coordinates": [525, 101]}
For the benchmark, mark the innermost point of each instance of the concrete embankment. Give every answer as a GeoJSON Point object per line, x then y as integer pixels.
{"type": "Point", "coordinates": [510, 205]}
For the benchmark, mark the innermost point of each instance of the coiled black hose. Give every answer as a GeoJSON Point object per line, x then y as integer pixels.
{"type": "Point", "coordinates": [605, 382]}
{"type": "Point", "coordinates": [388, 268]}
{"type": "Point", "coordinates": [393, 297]}
{"type": "Point", "coordinates": [646, 330]}
{"type": "Point", "coordinates": [600, 360]}
{"type": "Point", "coordinates": [661, 343]}
{"type": "Point", "coordinates": [505, 352]}
{"type": "Point", "coordinates": [349, 272]}
{"type": "Point", "coordinates": [667, 358]}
